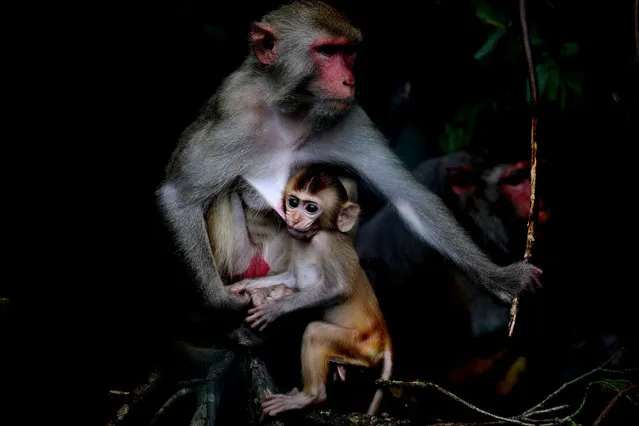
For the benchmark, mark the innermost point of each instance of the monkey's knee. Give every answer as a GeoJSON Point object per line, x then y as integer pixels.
{"type": "Point", "coordinates": [315, 333]}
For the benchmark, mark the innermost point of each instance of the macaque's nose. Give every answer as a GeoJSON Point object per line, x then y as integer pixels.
{"type": "Point", "coordinates": [296, 219]}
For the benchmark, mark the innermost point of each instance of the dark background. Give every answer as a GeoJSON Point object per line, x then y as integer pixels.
{"type": "Point", "coordinates": [103, 92]}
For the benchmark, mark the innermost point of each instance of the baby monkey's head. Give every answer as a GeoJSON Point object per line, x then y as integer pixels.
{"type": "Point", "coordinates": [315, 200]}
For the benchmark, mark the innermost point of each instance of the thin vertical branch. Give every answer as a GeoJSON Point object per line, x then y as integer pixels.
{"type": "Point", "coordinates": [637, 26]}
{"type": "Point", "coordinates": [532, 218]}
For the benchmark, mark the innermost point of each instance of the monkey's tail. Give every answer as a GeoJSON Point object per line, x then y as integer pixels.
{"type": "Point", "coordinates": [387, 369]}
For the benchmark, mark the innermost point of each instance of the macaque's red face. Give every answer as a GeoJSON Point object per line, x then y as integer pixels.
{"type": "Point", "coordinates": [302, 214]}
{"type": "Point", "coordinates": [334, 58]}
{"type": "Point", "coordinates": [515, 184]}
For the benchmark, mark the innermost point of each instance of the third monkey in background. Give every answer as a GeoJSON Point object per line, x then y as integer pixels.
{"type": "Point", "coordinates": [326, 273]}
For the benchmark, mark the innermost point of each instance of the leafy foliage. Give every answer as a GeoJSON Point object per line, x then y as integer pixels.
{"type": "Point", "coordinates": [500, 62]}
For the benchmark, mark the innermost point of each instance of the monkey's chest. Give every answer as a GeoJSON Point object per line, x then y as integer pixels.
{"type": "Point", "coordinates": [270, 181]}
{"type": "Point", "coordinates": [308, 274]}
{"type": "Point", "coordinates": [278, 144]}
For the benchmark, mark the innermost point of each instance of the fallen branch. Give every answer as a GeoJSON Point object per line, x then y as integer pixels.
{"type": "Point", "coordinates": [136, 396]}
{"type": "Point", "coordinates": [532, 216]}
{"type": "Point", "coordinates": [426, 385]}
{"type": "Point", "coordinates": [613, 402]}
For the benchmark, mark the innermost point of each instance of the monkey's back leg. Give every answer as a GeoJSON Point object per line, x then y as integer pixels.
{"type": "Point", "coordinates": [321, 343]}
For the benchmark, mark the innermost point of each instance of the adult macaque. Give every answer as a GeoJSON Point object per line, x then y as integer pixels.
{"type": "Point", "coordinates": [326, 273]}
{"type": "Point", "coordinates": [290, 103]}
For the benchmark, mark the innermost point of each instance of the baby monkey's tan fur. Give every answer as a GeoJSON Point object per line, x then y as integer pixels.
{"type": "Point", "coordinates": [325, 271]}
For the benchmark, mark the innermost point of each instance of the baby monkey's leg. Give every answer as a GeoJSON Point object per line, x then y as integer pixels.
{"type": "Point", "coordinates": [321, 343]}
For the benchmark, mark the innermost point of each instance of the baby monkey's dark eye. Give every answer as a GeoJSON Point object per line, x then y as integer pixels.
{"type": "Point", "coordinates": [293, 202]}
{"type": "Point", "coordinates": [311, 208]}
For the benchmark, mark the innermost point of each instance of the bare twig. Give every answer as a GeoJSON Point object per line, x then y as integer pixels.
{"type": "Point", "coordinates": [613, 402]}
{"type": "Point", "coordinates": [137, 394]}
{"type": "Point", "coordinates": [565, 385]}
{"type": "Point", "coordinates": [548, 410]}
{"type": "Point", "coordinates": [176, 396]}
{"type": "Point", "coordinates": [426, 385]}
{"type": "Point", "coordinates": [623, 371]}
{"type": "Point", "coordinates": [532, 218]}
{"type": "Point", "coordinates": [637, 26]}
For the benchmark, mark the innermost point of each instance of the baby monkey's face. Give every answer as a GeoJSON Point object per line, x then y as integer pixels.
{"type": "Point", "coordinates": [302, 214]}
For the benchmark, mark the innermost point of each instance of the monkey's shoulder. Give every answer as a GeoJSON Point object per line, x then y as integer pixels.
{"type": "Point", "coordinates": [240, 94]}
{"type": "Point", "coordinates": [334, 245]}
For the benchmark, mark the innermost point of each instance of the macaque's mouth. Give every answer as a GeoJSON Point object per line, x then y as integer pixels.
{"type": "Point", "coordinates": [300, 235]}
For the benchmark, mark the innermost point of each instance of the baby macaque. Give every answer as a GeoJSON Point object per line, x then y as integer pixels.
{"type": "Point", "coordinates": [324, 272]}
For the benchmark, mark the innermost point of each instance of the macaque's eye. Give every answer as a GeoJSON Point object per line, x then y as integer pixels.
{"type": "Point", "coordinates": [293, 202]}
{"type": "Point", "coordinates": [515, 178]}
{"type": "Point", "coordinates": [327, 49]}
{"type": "Point", "coordinates": [312, 208]}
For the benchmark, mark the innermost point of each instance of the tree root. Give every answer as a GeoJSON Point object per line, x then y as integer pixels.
{"type": "Point", "coordinates": [137, 395]}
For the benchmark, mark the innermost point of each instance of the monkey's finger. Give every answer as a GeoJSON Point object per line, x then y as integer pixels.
{"type": "Point", "coordinates": [256, 322]}
{"type": "Point", "coordinates": [279, 408]}
{"type": "Point", "coordinates": [253, 314]}
{"type": "Point", "coordinates": [262, 328]}
{"type": "Point", "coordinates": [273, 403]}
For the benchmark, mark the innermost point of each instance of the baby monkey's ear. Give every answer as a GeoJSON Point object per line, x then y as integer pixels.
{"type": "Point", "coordinates": [347, 217]}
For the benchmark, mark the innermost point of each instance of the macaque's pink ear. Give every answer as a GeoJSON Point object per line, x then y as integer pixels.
{"type": "Point", "coordinates": [348, 216]}
{"type": "Point", "coordinates": [263, 39]}
{"type": "Point", "coordinates": [462, 179]}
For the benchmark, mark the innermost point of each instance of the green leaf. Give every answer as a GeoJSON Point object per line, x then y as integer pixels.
{"type": "Point", "coordinates": [542, 78]}
{"type": "Point", "coordinates": [575, 86]}
{"type": "Point", "coordinates": [453, 138]}
{"type": "Point", "coordinates": [553, 84]}
{"type": "Point", "coordinates": [562, 96]}
{"type": "Point", "coordinates": [535, 40]}
{"type": "Point", "coordinates": [490, 17]}
{"type": "Point", "coordinates": [570, 49]}
{"type": "Point", "coordinates": [615, 97]}
{"type": "Point", "coordinates": [489, 44]}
